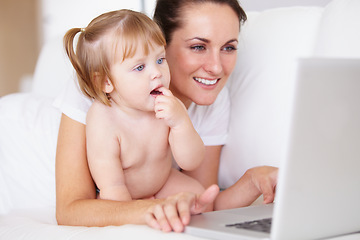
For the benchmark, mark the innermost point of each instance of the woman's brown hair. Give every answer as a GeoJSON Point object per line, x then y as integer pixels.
{"type": "Point", "coordinates": [168, 13]}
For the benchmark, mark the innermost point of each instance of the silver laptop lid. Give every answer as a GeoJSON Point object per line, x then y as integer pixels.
{"type": "Point", "coordinates": [319, 183]}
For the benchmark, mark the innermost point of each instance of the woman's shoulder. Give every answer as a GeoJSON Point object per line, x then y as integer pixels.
{"type": "Point", "coordinates": [72, 102]}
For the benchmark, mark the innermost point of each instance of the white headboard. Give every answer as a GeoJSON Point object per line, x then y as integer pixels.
{"type": "Point", "coordinates": [258, 5]}
{"type": "Point", "coordinates": [56, 17]}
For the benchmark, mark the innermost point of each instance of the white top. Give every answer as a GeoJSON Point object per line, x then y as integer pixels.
{"type": "Point", "coordinates": [211, 122]}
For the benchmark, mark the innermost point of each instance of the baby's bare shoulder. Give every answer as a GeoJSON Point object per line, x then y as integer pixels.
{"type": "Point", "coordinates": [101, 116]}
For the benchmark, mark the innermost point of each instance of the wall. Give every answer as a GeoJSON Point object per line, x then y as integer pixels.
{"type": "Point", "coordinates": [18, 42]}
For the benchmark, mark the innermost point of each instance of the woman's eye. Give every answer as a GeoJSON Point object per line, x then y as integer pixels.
{"type": "Point", "coordinates": [230, 48]}
{"type": "Point", "coordinates": [160, 60]}
{"type": "Point", "coordinates": [140, 68]}
{"type": "Point", "coordinates": [198, 48]}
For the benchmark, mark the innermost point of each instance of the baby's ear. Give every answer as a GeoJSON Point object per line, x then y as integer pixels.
{"type": "Point", "coordinates": [104, 84]}
{"type": "Point", "coordinates": [107, 87]}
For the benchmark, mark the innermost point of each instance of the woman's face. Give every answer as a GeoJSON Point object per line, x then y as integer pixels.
{"type": "Point", "coordinates": [202, 52]}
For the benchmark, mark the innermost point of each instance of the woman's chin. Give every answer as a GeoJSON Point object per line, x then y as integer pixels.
{"type": "Point", "coordinates": [205, 100]}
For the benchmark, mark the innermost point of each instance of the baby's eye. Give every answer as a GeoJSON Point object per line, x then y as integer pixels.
{"type": "Point", "coordinates": [140, 68]}
{"type": "Point", "coordinates": [160, 60]}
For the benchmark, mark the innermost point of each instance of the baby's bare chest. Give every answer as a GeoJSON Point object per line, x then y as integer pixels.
{"type": "Point", "coordinates": [145, 156]}
{"type": "Point", "coordinates": [143, 143]}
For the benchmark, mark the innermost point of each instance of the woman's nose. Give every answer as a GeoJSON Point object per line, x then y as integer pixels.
{"type": "Point", "coordinates": [213, 64]}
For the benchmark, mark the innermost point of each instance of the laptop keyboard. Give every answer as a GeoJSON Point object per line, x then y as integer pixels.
{"type": "Point", "coordinates": [262, 225]}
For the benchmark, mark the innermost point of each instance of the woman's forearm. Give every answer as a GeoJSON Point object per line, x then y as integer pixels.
{"type": "Point", "coordinates": [97, 212]}
{"type": "Point", "coordinates": [241, 194]}
{"type": "Point", "coordinates": [255, 181]}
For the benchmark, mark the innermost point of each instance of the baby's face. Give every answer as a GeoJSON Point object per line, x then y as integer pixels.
{"type": "Point", "coordinates": [138, 78]}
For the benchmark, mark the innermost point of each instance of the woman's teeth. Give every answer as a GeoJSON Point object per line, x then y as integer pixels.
{"type": "Point", "coordinates": [205, 81]}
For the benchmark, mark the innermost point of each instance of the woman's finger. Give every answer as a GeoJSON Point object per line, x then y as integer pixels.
{"type": "Point", "coordinates": [205, 199]}
{"type": "Point", "coordinates": [173, 218]}
{"type": "Point", "coordinates": [184, 209]}
{"type": "Point", "coordinates": [151, 221]}
{"type": "Point", "coordinates": [160, 217]}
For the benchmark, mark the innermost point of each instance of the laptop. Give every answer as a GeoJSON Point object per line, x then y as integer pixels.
{"type": "Point", "coordinates": [318, 191]}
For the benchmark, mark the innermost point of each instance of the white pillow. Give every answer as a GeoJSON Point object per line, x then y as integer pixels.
{"type": "Point", "coordinates": [53, 69]}
{"type": "Point", "coordinates": [339, 34]}
{"type": "Point", "coordinates": [261, 87]}
{"type": "Point", "coordinates": [29, 127]}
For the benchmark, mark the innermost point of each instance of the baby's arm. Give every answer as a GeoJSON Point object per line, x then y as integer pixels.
{"type": "Point", "coordinates": [103, 151]}
{"type": "Point", "coordinates": [186, 145]}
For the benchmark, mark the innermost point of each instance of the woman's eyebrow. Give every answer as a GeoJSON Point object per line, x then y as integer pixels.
{"type": "Point", "coordinates": [207, 40]}
{"type": "Point", "coordinates": [231, 41]}
{"type": "Point", "coordinates": [200, 39]}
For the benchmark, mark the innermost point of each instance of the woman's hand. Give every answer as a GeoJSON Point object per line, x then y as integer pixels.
{"type": "Point", "coordinates": [264, 179]}
{"type": "Point", "coordinates": [255, 181]}
{"type": "Point", "coordinates": [175, 211]}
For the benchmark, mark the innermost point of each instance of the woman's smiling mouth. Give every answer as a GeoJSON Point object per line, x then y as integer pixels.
{"type": "Point", "coordinates": [206, 81]}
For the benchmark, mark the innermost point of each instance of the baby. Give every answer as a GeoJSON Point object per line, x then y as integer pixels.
{"type": "Point", "coordinates": [135, 125]}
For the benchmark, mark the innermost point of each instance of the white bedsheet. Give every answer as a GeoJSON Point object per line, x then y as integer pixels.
{"type": "Point", "coordinates": [35, 224]}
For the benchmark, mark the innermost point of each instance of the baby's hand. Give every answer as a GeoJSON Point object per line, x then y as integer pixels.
{"type": "Point", "coordinates": [170, 108]}
{"type": "Point", "coordinates": [173, 214]}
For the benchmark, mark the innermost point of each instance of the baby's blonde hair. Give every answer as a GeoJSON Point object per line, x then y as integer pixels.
{"type": "Point", "coordinates": [94, 55]}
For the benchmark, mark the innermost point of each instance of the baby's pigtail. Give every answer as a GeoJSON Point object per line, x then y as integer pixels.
{"type": "Point", "coordinates": [69, 39]}
{"type": "Point", "coordinates": [69, 47]}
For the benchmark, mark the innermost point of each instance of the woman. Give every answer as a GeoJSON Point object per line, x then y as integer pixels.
{"type": "Point", "coordinates": [202, 37]}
